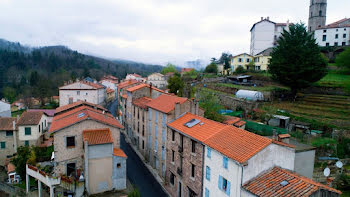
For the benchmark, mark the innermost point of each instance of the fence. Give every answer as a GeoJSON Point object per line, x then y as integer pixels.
{"type": "Point", "coordinates": [263, 129]}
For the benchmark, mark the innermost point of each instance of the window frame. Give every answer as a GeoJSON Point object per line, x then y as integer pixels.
{"type": "Point", "coordinates": [70, 146]}
{"type": "Point", "coordinates": [27, 131]}
{"type": "Point", "coordinates": [2, 145]}
{"type": "Point", "coordinates": [193, 170]}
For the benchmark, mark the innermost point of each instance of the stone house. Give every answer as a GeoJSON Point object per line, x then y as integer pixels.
{"type": "Point", "coordinates": [8, 138]}
{"type": "Point", "coordinates": [49, 112]}
{"type": "Point", "coordinates": [82, 91]}
{"type": "Point", "coordinates": [135, 76]}
{"type": "Point", "coordinates": [105, 166]}
{"type": "Point", "coordinates": [31, 126]}
{"type": "Point", "coordinates": [121, 96]}
{"type": "Point", "coordinates": [63, 109]}
{"type": "Point", "coordinates": [67, 130]}
{"type": "Point", "coordinates": [158, 80]}
{"type": "Point", "coordinates": [110, 95]}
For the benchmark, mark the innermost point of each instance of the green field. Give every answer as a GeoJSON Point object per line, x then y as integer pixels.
{"type": "Point", "coordinates": [333, 79]}
{"type": "Point", "coordinates": [258, 88]}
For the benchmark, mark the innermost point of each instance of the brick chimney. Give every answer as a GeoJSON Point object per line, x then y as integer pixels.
{"type": "Point", "coordinates": [150, 90]}
{"type": "Point", "coordinates": [177, 109]}
{"type": "Point", "coordinates": [196, 107]}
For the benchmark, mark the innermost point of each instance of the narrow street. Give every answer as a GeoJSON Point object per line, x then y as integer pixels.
{"type": "Point", "coordinates": [137, 172]}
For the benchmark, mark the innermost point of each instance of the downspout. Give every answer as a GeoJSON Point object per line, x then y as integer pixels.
{"type": "Point", "coordinates": [202, 169]}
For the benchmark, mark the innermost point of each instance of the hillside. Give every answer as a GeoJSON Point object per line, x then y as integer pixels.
{"type": "Point", "coordinates": [38, 72]}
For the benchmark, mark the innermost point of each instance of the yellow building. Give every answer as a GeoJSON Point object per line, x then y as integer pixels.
{"type": "Point", "coordinates": [242, 60]}
{"type": "Point", "coordinates": [262, 59]}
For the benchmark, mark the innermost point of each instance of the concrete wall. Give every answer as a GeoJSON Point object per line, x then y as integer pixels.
{"type": "Point", "coordinates": [245, 193]}
{"type": "Point", "coordinates": [84, 95]}
{"type": "Point", "coordinates": [304, 163]}
{"type": "Point", "coordinates": [100, 174]}
{"type": "Point", "coordinates": [233, 174]}
{"type": "Point", "coordinates": [272, 155]}
{"type": "Point", "coordinates": [5, 109]}
{"type": "Point", "coordinates": [100, 151]}
{"type": "Point", "coordinates": [64, 155]}
{"type": "Point", "coordinates": [119, 174]}
{"type": "Point", "coordinates": [262, 37]}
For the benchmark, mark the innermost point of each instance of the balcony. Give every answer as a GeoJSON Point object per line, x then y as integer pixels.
{"type": "Point", "coordinates": [179, 171]}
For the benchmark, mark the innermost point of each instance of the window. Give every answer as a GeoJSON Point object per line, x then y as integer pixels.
{"type": "Point", "coordinates": [3, 145]}
{"type": "Point", "coordinates": [327, 44]}
{"type": "Point", "coordinates": [225, 162]}
{"type": "Point", "coordinates": [208, 152]}
{"type": "Point", "coordinates": [9, 133]}
{"type": "Point", "coordinates": [172, 178]}
{"type": "Point", "coordinates": [325, 30]}
{"type": "Point", "coordinates": [192, 170]}
{"type": "Point", "coordinates": [45, 123]}
{"type": "Point", "coordinates": [257, 67]}
{"type": "Point", "coordinates": [39, 128]}
{"type": "Point", "coordinates": [193, 146]}
{"type": "Point", "coordinates": [336, 36]}
{"type": "Point", "coordinates": [27, 131]}
{"type": "Point", "coordinates": [70, 168]}
{"type": "Point", "coordinates": [206, 192]}
{"type": "Point", "coordinates": [156, 116]}
{"type": "Point", "coordinates": [156, 131]}
{"type": "Point", "coordinates": [207, 173]}
{"type": "Point", "coordinates": [163, 135]}
{"type": "Point", "coordinates": [239, 59]}
{"type": "Point", "coordinates": [344, 35]}
{"type": "Point", "coordinates": [149, 114]}
{"type": "Point", "coordinates": [78, 92]}
{"type": "Point", "coordinates": [143, 144]}
{"type": "Point", "coordinates": [336, 44]}
{"type": "Point", "coordinates": [343, 43]}
{"type": "Point", "coordinates": [324, 37]}
{"type": "Point", "coordinates": [336, 30]}
{"type": "Point", "coordinates": [119, 165]}
{"type": "Point", "coordinates": [155, 146]}
{"type": "Point", "coordinates": [320, 13]}
{"type": "Point", "coordinates": [26, 143]}
{"type": "Point", "coordinates": [224, 185]}
{"type": "Point", "coordinates": [173, 135]}
{"type": "Point", "coordinates": [172, 156]}
{"type": "Point", "coordinates": [70, 141]}
{"type": "Point", "coordinates": [248, 60]}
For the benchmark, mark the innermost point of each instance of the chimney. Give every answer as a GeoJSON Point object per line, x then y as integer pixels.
{"type": "Point", "coordinates": [14, 136]}
{"type": "Point", "coordinates": [284, 138]}
{"type": "Point", "coordinates": [192, 106]}
{"type": "Point", "coordinates": [262, 18]}
{"type": "Point", "coordinates": [268, 18]}
{"type": "Point", "coordinates": [274, 134]}
{"type": "Point", "coordinates": [177, 109]}
{"type": "Point", "coordinates": [196, 107]}
{"type": "Point", "coordinates": [150, 90]}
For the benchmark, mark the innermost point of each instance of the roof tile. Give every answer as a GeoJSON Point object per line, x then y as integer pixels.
{"type": "Point", "coordinates": [97, 136]}
{"type": "Point", "coordinates": [6, 123]}
{"type": "Point", "coordinates": [30, 118]}
{"type": "Point", "coordinates": [142, 102]}
{"type": "Point", "coordinates": [119, 152]}
{"type": "Point", "coordinates": [165, 103]}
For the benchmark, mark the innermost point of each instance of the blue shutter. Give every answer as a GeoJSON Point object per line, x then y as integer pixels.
{"type": "Point", "coordinates": [163, 153]}
{"type": "Point", "coordinates": [156, 115]}
{"type": "Point", "coordinates": [149, 128]}
{"type": "Point", "coordinates": [149, 142]}
{"type": "Point", "coordinates": [163, 135]}
{"type": "Point", "coordinates": [220, 182]}
{"type": "Point", "coordinates": [163, 121]}
{"type": "Point", "coordinates": [228, 188]}
{"type": "Point", "coordinates": [209, 152]}
{"type": "Point", "coordinates": [149, 114]}
{"type": "Point", "coordinates": [155, 145]}
{"type": "Point", "coordinates": [206, 192]}
{"type": "Point", "coordinates": [207, 173]}
{"type": "Point", "coordinates": [225, 160]}
{"type": "Point", "coordinates": [156, 131]}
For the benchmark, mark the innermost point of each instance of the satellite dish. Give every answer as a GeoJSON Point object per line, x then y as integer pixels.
{"type": "Point", "coordinates": [326, 172]}
{"type": "Point", "coordinates": [339, 164]}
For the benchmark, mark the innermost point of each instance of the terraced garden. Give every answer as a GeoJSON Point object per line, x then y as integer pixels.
{"type": "Point", "coordinates": [319, 110]}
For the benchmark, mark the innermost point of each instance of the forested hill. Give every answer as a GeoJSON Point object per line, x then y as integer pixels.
{"type": "Point", "coordinates": [38, 72]}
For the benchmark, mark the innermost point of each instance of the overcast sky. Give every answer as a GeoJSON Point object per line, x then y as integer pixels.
{"type": "Point", "coordinates": [151, 31]}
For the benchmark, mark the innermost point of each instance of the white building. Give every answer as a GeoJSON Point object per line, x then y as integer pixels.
{"type": "Point", "coordinates": [82, 91]}
{"type": "Point", "coordinates": [229, 162]}
{"type": "Point", "coordinates": [264, 34]}
{"type": "Point", "coordinates": [158, 80]}
{"type": "Point", "coordinates": [334, 34]}
{"type": "Point", "coordinates": [5, 109]}
{"type": "Point", "coordinates": [31, 126]}
{"type": "Point", "coordinates": [134, 77]}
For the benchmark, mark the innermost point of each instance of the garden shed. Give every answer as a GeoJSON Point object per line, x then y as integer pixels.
{"type": "Point", "coordinates": [250, 95]}
{"type": "Point", "coordinates": [279, 121]}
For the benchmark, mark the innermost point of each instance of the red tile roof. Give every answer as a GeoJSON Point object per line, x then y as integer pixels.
{"type": "Point", "coordinates": [93, 85]}
{"type": "Point", "coordinates": [141, 102]}
{"type": "Point", "coordinates": [97, 136]}
{"type": "Point", "coordinates": [127, 83]}
{"type": "Point", "coordinates": [30, 118]}
{"type": "Point", "coordinates": [337, 24]}
{"type": "Point", "coordinates": [119, 152]}
{"type": "Point", "coordinates": [79, 114]}
{"type": "Point", "coordinates": [230, 120]}
{"type": "Point", "coordinates": [237, 144]}
{"type": "Point", "coordinates": [78, 104]}
{"type": "Point", "coordinates": [283, 144]}
{"type": "Point", "coordinates": [240, 123]}
{"type": "Point", "coordinates": [269, 184]}
{"type": "Point", "coordinates": [136, 75]}
{"type": "Point", "coordinates": [49, 112]}
{"type": "Point", "coordinates": [284, 135]}
{"type": "Point", "coordinates": [109, 90]}
{"type": "Point", "coordinates": [142, 85]}
{"type": "Point", "coordinates": [200, 132]}
{"type": "Point", "coordinates": [165, 103]}
{"type": "Point", "coordinates": [6, 123]}
{"type": "Point", "coordinates": [125, 96]}
{"type": "Point", "coordinates": [183, 70]}
{"type": "Point", "coordinates": [10, 168]}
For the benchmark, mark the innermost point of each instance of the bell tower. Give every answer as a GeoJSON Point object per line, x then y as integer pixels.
{"type": "Point", "coordinates": [317, 14]}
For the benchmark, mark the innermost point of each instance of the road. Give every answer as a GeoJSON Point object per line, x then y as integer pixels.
{"type": "Point", "coordinates": [137, 173]}
{"type": "Point", "coordinates": [112, 107]}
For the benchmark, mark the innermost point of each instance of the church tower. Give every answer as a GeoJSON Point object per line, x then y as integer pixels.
{"type": "Point", "coordinates": [317, 14]}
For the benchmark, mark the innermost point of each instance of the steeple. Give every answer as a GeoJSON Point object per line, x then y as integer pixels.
{"type": "Point", "coordinates": [317, 14]}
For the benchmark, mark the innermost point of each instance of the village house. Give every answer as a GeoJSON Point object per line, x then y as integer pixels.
{"type": "Point", "coordinates": [110, 94]}
{"type": "Point", "coordinates": [241, 60]}
{"type": "Point", "coordinates": [105, 165]}
{"type": "Point", "coordinates": [5, 109]}
{"type": "Point", "coordinates": [136, 77]}
{"type": "Point", "coordinates": [157, 80]}
{"type": "Point", "coordinates": [49, 112]}
{"type": "Point", "coordinates": [18, 105]}
{"type": "Point", "coordinates": [60, 110]}
{"type": "Point", "coordinates": [111, 82]}
{"type": "Point", "coordinates": [121, 96]}
{"type": "Point", "coordinates": [334, 34]}
{"type": "Point", "coordinates": [8, 138]}
{"type": "Point", "coordinates": [31, 126]}
{"type": "Point", "coordinates": [67, 129]}
{"type": "Point", "coordinates": [262, 59]}
{"type": "Point", "coordinates": [84, 91]}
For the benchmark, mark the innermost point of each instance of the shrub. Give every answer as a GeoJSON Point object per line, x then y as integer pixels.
{"type": "Point", "coordinates": [134, 193]}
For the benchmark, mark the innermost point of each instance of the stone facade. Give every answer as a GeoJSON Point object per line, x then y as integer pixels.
{"type": "Point", "coordinates": [8, 139]}
{"type": "Point", "coordinates": [317, 14]}
{"type": "Point", "coordinates": [183, 180]}
{"type": "Point", "coordinates": [65, 155]}
{"type": "Point", "coordinates": [36, 131]}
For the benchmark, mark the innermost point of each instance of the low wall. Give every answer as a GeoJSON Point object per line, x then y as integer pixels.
{"type": "Point", "coordinates": [11, 190]}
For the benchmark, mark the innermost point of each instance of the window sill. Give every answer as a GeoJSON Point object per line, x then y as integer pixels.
{"type": "Point", "coordinates": [173, 163]}
{"type": "Point", "coordinates": [192, 178]}
{"type": "Point", "coordinates": [193, 154]}
{"type": "Point", "coordinates": [70, 147]}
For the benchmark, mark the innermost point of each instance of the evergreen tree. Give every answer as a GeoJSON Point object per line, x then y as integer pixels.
{"type": "Point", "coordinates": [176, 85]}
{"type": "Point", "coordinates": [296, 61]}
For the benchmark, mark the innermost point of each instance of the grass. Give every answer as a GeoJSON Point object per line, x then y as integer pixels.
{"type": "Point", "coordinates": [336, 80]}
{"type": "Point", "coordinates": [262, 89]}
{"type": "Point", "coordinates": [15, 113]}
{"type": "Point", "coordinates": [209, 75]}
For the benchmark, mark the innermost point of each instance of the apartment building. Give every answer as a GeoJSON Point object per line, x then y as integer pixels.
{"type": "Point", "coordinates": [8, 138]}
{"type": "Point", "coordinates": [158, 80]}
{"type": "Point", "coordinates": [334, 34]}
{"type": "Point", "coordinates": [82, 91]}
